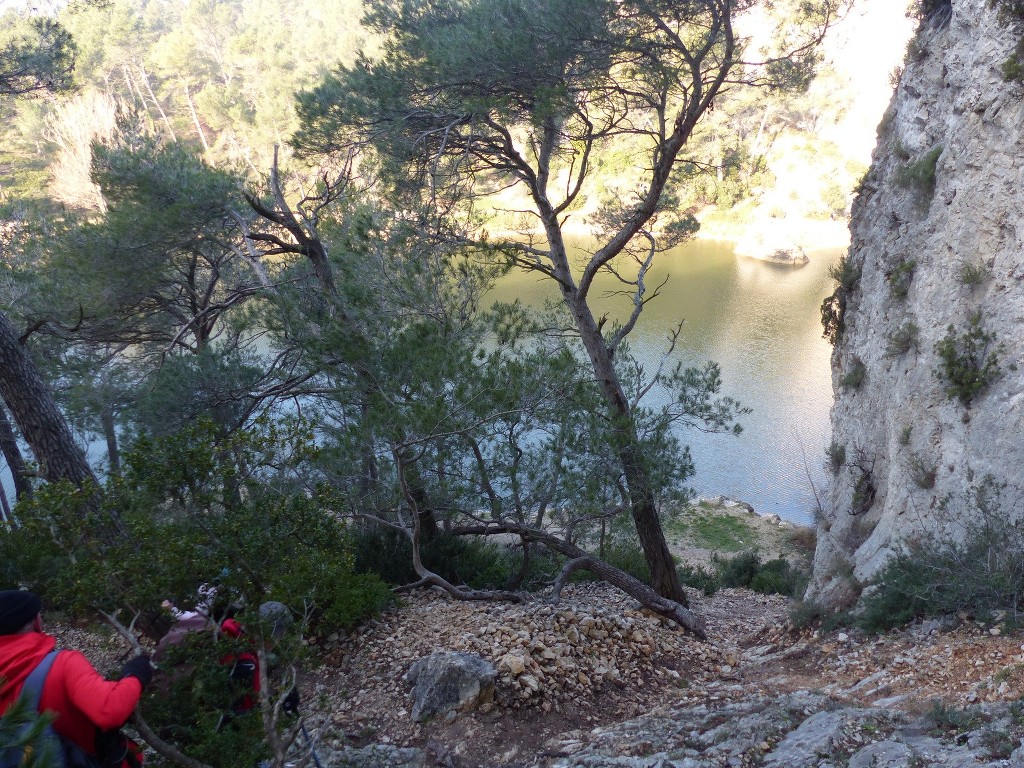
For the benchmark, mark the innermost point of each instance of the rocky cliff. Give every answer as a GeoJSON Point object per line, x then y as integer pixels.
{"type": "Point", "coordinates": [929, 401]}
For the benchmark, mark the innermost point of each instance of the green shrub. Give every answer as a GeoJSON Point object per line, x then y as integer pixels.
{"type": "Point", "coordinates": [950, 719]}
{"type": "Point", "coordinates": [740, 570]}
{"type": "Point", "coordinates": [923, 473]}
{"type": "Point", "coordinates": [900, 278]}
{"type": "Point", "coordinates": [855, 377]}
{"type": "Point", "coordinates": [191, 509]}
{"type": "Point", "coordinates": [696, 577]}
{"type": "Point", "coordinates": [1013, 67]}
{"type": "Point", "coordinates": [974, 274]}
{"type": "Point", "coordinates": [773, 577]}
{"type": "Point", "coordinates": [191, 700]}
{"type": "Point", "coordinates": [833, 308]}
{"type": "Point", "coordinates": [920, 175]}
{"type": "Point", "coordinates": [628, 557]}
{"type": "Point", "coordinates": [474, 562]}
{"type": "Point", "coordinates": [904, 438]}
{"type": "Point", "coordinates": [835, 457]}
{"type": "Point", "coordinates": [998, 744]}
{"type": "Point", "coordinates": [903, 340]}
{"type": "Point", "coordinates": [936, 576]}
{"type": "Point", "coordinates": [968, 362]}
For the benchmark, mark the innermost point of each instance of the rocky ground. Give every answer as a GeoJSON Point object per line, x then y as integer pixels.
{"type": "Point", "coordinates": [596, 681]}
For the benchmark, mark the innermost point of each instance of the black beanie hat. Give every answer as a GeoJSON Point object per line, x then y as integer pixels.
{"type": "Point", "coordinates": [17, 608]}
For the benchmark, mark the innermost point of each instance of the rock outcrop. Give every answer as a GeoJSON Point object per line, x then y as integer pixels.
{"type": "Point", "coordinates": [445, 683]}
{"type": "Point", "coordinates": [937, 255]}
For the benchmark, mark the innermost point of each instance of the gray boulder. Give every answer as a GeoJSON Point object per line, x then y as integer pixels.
{"type": "Point", "coordinates": [445, 683]}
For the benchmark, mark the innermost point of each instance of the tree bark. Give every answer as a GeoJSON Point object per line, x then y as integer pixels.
{"type": "Point", "coordinates": [110, 434]}
{"type": "Point", "coordinates": [643, 504]}
{"type": "Point", "coordinates": [36, 414]}
{"type": "Point", "coordinates": [12, 454]}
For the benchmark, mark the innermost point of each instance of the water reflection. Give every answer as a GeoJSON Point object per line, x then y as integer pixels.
{"type": "Point", "coordinates": [761, 323]}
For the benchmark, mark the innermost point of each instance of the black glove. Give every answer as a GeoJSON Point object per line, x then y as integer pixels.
{"type": "Point", "coordinates": [291, 702]}
{"type": "Point", "coordinates": [115, 750]}
{"type": "Point", "coordinates": [140, 667]}
{"type": "Point", "coordinates": [243, 671]}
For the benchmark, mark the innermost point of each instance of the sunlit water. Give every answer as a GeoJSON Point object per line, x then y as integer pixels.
{"type": "Point", "coordinates": [761, 323]}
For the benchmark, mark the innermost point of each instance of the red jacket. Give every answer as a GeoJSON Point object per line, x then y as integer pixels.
{"type": "Point", "coordinates": [81, 698]}
{"type": "Point", "coordinates": [231, 628]}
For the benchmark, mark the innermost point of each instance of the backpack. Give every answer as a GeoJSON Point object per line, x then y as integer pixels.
{"type": "Point", "coordinates": [49, 749]}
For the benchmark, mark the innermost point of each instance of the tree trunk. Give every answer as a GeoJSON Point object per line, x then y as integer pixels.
{"type": "Point", "coordinates": [643, 504]}
{"type": "Point", "coordinates": [12, 454]}
{"type": "Point", "coordinates": [36, 414]}
{"type": "Point", "coordinates": [110, 434]}
{"type": "Point", "coordinates": [6, 515]}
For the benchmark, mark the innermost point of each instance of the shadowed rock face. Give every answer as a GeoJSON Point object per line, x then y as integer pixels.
{"type": "Point", "coordinates": [445, 683]}
{"type": "Point", "coordinates": [937, 241]}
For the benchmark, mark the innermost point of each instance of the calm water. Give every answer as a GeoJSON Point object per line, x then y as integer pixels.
{"type": "Point", "coordinates": [761, 323]}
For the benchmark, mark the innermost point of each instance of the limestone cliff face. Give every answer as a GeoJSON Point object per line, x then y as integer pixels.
{"type": "Point", "coordinates": [930, 256]}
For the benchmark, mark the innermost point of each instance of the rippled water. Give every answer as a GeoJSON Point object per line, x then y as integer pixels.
{"type": "Point", "coordinates": [761, 323]}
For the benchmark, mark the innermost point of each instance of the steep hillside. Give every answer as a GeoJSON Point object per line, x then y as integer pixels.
{"type": "Point", "coordinates": [929, 404]}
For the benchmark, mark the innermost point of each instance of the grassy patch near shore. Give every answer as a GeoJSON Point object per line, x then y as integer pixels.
{"type": "Point", "coordinates": [715, 529]}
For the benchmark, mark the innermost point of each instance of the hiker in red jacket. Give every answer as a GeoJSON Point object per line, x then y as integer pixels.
{"type": "Point", "coordinates": [88, 708]}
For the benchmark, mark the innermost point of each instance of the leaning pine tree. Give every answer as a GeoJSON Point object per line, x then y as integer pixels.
{"type": "Point", "coordinates": [472, 98]}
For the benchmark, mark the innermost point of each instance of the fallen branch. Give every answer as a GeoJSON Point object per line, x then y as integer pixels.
{"type": "Point", "coordinates": [431, 579]}
{"type": "Point", "coordinates": [632, 586]}
{"type": "Point", "coordinates": [567, 570]}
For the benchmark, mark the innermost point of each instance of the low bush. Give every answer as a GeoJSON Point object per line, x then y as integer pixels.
{"type": "Point", "coordinates": [974, 274]}
{"type": "Point", "coordinates": [900, 278]}
{"type": "Point", "coordinates": [773, 577]}
{"type": "Point", "coordinates": [855, 377]}
{"type": "Point", "coordinates": [835, 457]}
{"type": "Point", "coordinates": [696, 577]}
{"type": "Point", "coordinates": [920, 174]}
{"type": "Point", "coordinates": [190, 511]}
{"type": "Point", "coordinates": [922, 472]}
{"type": "Point", "coordinates": [981, 571]}
{"type": "Point", "coordinates": [471, 561]}
{"type": "Point", "coordinates": [968, 361]}
{"type": "Point", "coordinates": [903, 340]}
{"type": "Point", "coordinates": [947, 718]}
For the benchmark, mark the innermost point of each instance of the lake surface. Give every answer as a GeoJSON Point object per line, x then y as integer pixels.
{"type": "Point", "coordinates": [761, 323]}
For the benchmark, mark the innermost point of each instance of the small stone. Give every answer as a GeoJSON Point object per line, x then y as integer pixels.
{"type": "Point", "coordinates": [513, 663]}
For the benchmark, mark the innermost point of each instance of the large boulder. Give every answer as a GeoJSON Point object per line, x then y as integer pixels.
{"type": "Point", "coordinates": [446, 682]}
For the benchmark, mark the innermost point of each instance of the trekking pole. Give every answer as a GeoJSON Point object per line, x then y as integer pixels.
{"type": "Point", "coordinates": [312, 748]}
